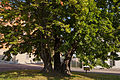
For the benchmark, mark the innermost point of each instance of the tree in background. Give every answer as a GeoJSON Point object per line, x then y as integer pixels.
{"type": "Point", "coordinates": [47, 28]}
{"type": "Point", "coordinates": [29, 32]}
{"type": "Point", "coordinates": [111, 10]}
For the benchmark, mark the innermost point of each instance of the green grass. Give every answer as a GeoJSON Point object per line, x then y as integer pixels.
{"type": "Point", "coordinates": [37, 75]}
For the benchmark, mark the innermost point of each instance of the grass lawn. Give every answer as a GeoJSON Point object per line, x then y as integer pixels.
{"type": "Point", "coordinates": [36, 75]}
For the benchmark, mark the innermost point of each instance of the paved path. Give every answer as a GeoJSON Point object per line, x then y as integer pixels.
{"type": "Point", "coordinates": [114, 71]}
{"type": "Point", "coordinates": [8, 67]}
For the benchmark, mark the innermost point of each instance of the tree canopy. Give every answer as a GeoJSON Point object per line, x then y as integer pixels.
{"type": "Point", "coordinates": [48, 28]}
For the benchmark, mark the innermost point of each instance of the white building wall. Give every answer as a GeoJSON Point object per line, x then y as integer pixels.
{"type": "Point", "coordinates": [19, 59]}
{"type": "Point", "coordinates": [117, 63]}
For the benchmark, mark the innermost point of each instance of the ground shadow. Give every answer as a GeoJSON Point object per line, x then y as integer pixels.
{"type": "Point", "coordinates": [24, 70]}
{"type": "Point", "coordinates": [30, 71]}
{"type": "Point", "coordinates": [33, 74]}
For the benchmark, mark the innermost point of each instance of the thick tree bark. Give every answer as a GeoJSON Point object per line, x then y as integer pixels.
{"type": "Point", "coordinates": [57, 62]}
{"type": "Point", "coordinates": [69, 64]}
{"type": "Point", "coordinates": [47, 66]}
{"type": "Point", "coordinates": [46, 57]}
{"type": "Point", "coordinates": [66, 63]}
{"type": "Point", "coordinates": [43, 47]}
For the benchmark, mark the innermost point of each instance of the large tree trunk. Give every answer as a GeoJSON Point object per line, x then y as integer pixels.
{"type": "Point", "coordinates": [43, 47]}
{"type": "Point", "coordinates": [46, 57]}
{"type": "Point", "coordinates": [57, 62]}
{"type": "Point", "coordinates": [66, 63]}
{"type": "Point", "coordinates": [47, 66]}
{"type": "Point", "coordinates": [69, 64]}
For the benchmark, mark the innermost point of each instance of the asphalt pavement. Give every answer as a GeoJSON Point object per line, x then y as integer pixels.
{"type": "Point", "coordinates": [11, 67]}
{"type": "Point", "coordinates": [113, 71]}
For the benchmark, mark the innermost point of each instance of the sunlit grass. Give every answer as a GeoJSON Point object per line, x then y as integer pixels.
{"type": "Point", "coordinates": [37, 75]}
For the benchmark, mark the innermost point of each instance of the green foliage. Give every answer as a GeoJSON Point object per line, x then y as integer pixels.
{"type": "Point", "coordinates": [79, 24]}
